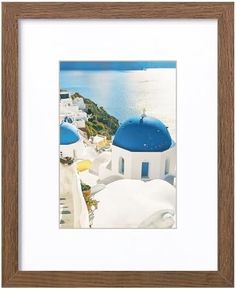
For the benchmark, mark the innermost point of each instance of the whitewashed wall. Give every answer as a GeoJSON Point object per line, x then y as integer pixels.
{"type": "Point", "coordinates": [133, 162]}
{"type": "Point", "coordinates": [68, 150]}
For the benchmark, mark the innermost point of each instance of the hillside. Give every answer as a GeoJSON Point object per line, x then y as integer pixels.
{"type": "Point", "coordinates": [100, 121]}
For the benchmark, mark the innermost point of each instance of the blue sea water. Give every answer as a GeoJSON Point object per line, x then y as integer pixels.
{"type": "Point", "coordinates": [125, 93]}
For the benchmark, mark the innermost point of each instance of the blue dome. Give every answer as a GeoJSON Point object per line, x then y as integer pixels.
{"type": "Point", "coordinates": [143, 134]}
{"type": "Point", "coordinates": [68, 134]}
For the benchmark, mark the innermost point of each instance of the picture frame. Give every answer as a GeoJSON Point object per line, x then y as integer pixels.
{"type": "Point", "coordinates": [11, 275]}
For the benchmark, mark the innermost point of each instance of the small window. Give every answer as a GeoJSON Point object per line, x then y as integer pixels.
{"type": "Point", "coordinates": [121, 166]}
{"type": "Point", "coordinates": [145, 170]}
{"type": "Point", "coordinates": [167, 166]}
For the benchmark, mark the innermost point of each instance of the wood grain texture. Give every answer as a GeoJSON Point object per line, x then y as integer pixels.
{"type": "Point", "coordinates": [9, 144]}
{"type": "Point", "coordinates": [12, 12]}
{"type": "Point", "coordinates": [226, 144]}
{"type": "Point", "coordinates": [116, 10]}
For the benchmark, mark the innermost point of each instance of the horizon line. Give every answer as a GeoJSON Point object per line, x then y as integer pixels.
{"type": "Point", "coordinates": [115, 65]}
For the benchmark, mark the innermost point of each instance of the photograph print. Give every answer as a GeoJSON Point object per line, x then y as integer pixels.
{"type": "Point", "coordinates": [117, 150]}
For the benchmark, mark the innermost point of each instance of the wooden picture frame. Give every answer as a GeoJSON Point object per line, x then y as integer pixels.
{"type": "Point", "coordinates": [11, 275]}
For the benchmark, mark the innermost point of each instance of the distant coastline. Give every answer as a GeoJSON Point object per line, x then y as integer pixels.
{"type": "Point", "coordinates": [115, 65]}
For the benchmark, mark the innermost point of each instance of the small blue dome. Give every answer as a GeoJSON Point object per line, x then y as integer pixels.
{"type": "Point", "coordinates": [68, 134]}
{"type": "Point", "coordinates": [143, 134]}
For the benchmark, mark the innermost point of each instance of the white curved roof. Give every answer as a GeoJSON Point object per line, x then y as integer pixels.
{"type": "Point", "coordinates": [132, 203]}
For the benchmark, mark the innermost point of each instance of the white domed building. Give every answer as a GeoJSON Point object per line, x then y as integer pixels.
{"type": "Point", "coordinates": [71, 143]}
{"type": "Point", "coordinates": [143, 149]}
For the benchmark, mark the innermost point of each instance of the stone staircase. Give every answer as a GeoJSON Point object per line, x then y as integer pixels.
{"type": "Point", "coordinates": [66, 211]}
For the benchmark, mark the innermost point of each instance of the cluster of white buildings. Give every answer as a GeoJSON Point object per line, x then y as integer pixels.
{"type": "Point", "coordinates": [72, 110]}
{"type": "Point", "coordinates": [138, 172]}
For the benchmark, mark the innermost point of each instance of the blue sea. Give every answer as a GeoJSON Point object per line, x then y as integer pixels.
{"type": "Point", "coordinates": [124, 93]}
